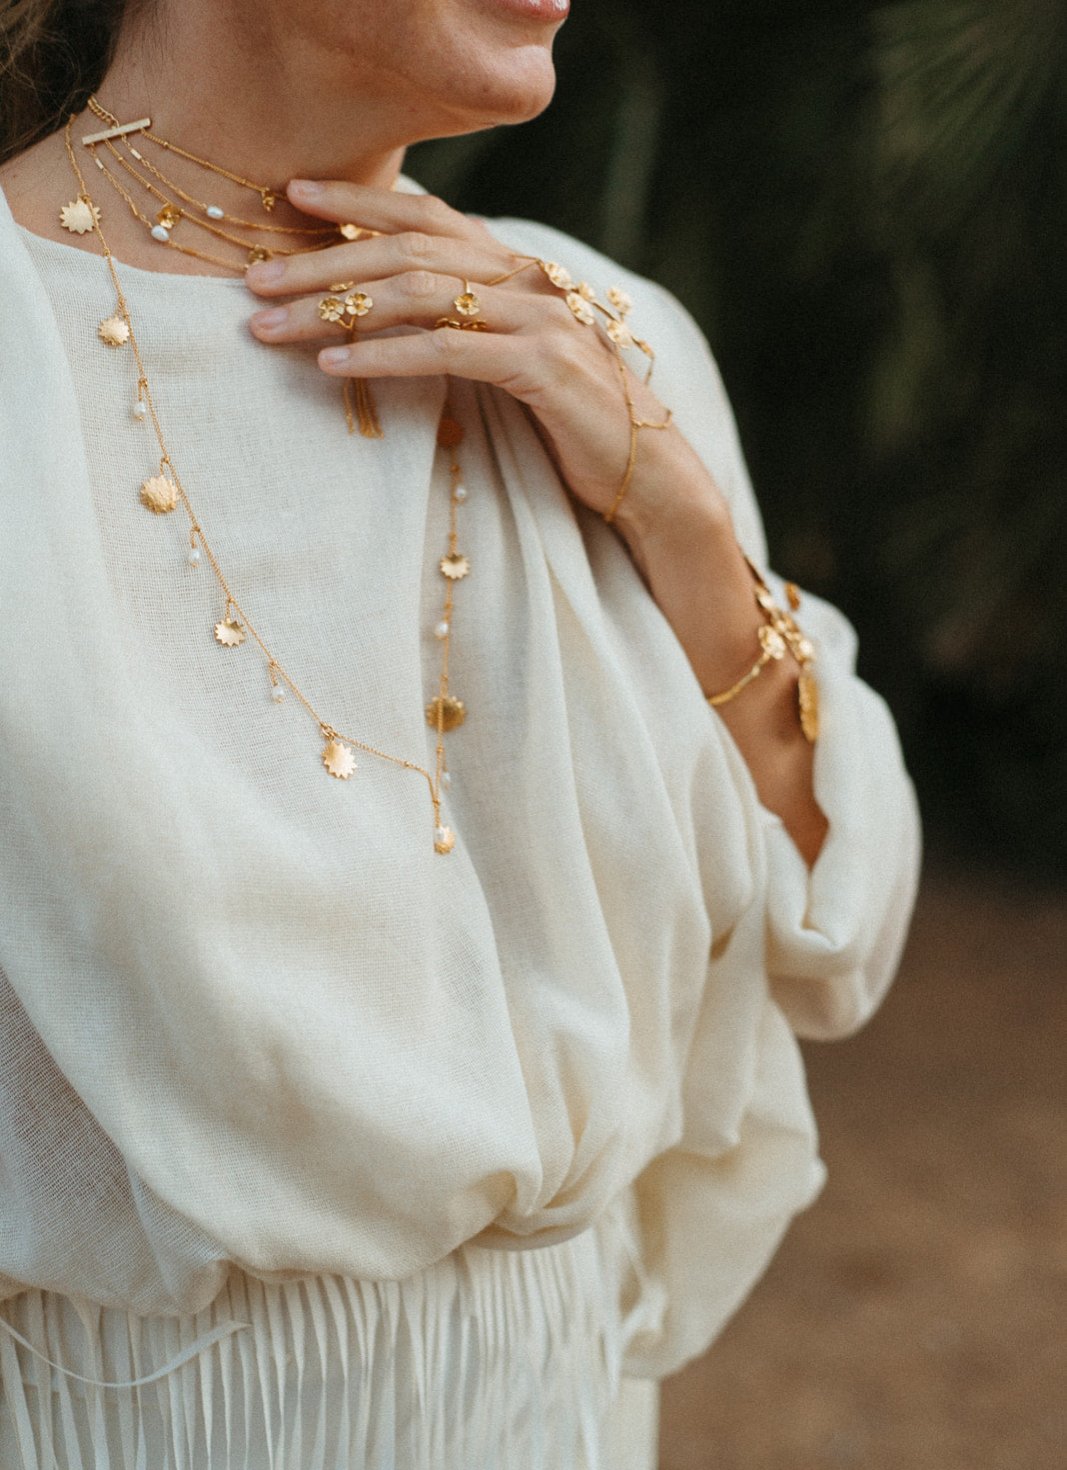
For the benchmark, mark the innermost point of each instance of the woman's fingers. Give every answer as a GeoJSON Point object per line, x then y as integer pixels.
{"type": "Point", "coordinates": [484, 357]}
{"type": "Point", "coordinates": [385, 255]}
{"type": "Point", "coordinates": [388, 210]}
{"type": "Point", "coordinates": [413, 298]}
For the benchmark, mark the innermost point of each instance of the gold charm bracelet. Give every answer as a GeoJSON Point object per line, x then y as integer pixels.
{"type": "Point", "coordinates": [779, 635]}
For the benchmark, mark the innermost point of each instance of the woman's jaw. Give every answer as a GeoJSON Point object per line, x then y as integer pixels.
{"type": "Point", "coordinates": [332, 88]}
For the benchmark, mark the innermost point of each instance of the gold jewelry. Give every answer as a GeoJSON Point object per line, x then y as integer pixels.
{"type": "Point", "coordinates": [164, 492]}
{"type": "Point", "coordinates": [636, 425]}
{"type": "Point", "coordinates": [457, 326]}
{"type": "Point", "coordinates": [168, 216]}
{"type": "Point", "coordinates": [467, 304]}
{"type": "Point", "coordinates": [581, 299]}
{"type": "Point", "coordinates": [778, 635]}
{"type": "Point", "coordinates": [268, 196]}
{"type": "Point", "coordinates": [345, 312]}
{"type": "Point", "coordinates": [773, 647]}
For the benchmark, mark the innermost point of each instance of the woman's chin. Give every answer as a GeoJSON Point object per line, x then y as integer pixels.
{"type": "Point", "coordinates": [513, 95]}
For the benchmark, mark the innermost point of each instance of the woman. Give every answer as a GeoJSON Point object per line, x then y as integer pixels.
{"type": "Point", "coordinates": [422, 846]}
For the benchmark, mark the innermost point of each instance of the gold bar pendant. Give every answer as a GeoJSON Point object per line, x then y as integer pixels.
{"type": "Point", "coordinates": [134, 127]}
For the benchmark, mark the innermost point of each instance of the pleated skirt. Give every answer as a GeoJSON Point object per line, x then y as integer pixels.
{"type": "Point", "coordinates": [489, 1360]}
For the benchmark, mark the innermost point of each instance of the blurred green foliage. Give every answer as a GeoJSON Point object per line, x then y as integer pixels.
{"type": "Point", "coordinates": [865, 206]}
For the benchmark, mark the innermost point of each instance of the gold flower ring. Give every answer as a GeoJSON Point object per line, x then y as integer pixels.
{"type": "Point", "coordinates": [345, 310]}
{"type": "Point", "coordinates": [466, 303]}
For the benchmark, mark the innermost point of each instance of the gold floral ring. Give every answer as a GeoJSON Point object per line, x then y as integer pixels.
{"type": "Point", "coordinates": [345, 310]}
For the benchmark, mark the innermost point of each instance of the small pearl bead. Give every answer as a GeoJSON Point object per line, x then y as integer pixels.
{"type": "Point", "coordinates": [140, 409]}
{"type": "Point", "coordinates": [194, 556]}
{"type": "Point", "coordinates": [160, 233]}
{"type": "Point", "coordinates": [442, 629]}
{"type": "Point", "coordinates": [460, 492]}
{"type": "Point", "coordinates": [214, 212]}
{"type": "Point", "coordinates": [277, 694]}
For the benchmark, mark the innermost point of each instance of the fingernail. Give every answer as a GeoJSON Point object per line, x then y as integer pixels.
{"type": "Point", "coordinates": [333, 356]}
{"type": "Point", "coordinates": [272, 318]}
{"type": "Point", "coordinates": [265, 272]}
{"type": "Point", "coordinates": [306, 188]}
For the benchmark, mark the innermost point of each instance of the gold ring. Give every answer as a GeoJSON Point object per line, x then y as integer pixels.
{"type": "Point", "coordinates": [467, 304]}
{"type": "Point", "coordinates": [358, 303]}
{"type": "Point", "coordinates": [331, 309]}
{"type": "Point", "coordinates": [458, 326]}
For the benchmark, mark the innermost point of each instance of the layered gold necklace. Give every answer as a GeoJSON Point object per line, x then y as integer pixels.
{"type": "Point", "coordinates": [163, 492]}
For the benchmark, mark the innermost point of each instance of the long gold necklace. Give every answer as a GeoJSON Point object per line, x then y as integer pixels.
{"type": "Point", "coordinates": [162, 492]}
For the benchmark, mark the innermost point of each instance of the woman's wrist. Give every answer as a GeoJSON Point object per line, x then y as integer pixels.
{"type": "Point", "coordinates": [678, 529]}
{"type": "Point", "coordinates": [681, 537]}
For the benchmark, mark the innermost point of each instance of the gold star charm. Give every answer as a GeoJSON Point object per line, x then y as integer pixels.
{"type": "Point", "coordinates": [455, 566]}
{"type": "Point", "coordinates": [114, 331]}
{"type": "Point", "coordinates": [79, 216]}
{"type": "Point", "coordinates": [338, 759]}
{"type": "Point", "coordinates": [160, 495]}
{"type": "Point", "coordinates": [452, 712]}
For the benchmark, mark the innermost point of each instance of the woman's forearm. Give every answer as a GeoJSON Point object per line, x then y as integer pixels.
{"type": "Point", "coordinates": [684, 546]}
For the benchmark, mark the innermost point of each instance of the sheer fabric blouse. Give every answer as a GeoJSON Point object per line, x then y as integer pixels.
{"type": "Point", "coordinates": [248, 1016]}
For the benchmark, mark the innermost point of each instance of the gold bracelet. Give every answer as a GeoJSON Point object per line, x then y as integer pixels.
{"type": "Point", "coordinates": [779, 635]}
{"type": "Point", "coordinates": [773, 645]}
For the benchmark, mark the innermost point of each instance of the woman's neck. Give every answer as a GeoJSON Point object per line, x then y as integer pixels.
{"type": "Point", "coordinates": [226, 88]}
{"type": "Point", "coordinates": [264, 112]}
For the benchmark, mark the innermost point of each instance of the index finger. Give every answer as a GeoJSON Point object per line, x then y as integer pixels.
{"type": "Point", "coordinates": [385, 210]}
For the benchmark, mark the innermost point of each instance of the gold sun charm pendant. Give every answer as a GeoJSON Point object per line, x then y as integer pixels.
{"type": "Point", "coordinates": [79, 216]}
{"type": "Point", "coordinates": [455, 566]}
{"type": "Point", "coordinates": [445, 712]}
{"type": "Point", "coordinates": [338, 759]}
{"type": "Point", "coordinates": [159, 494]}
{"type": "Point", "coordinates": [114, 331]}
{"type": "Point", "coordinates": [231, 633]}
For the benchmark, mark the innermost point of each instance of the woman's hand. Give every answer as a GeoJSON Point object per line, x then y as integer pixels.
{"type": "Point", "coordinates": [533, 346]}
{"type": "Point", "coordinates": [674, 519]}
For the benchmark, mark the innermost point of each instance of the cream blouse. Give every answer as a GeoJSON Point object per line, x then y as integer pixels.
{"type": "Point", "coordinates": [250, 1017]}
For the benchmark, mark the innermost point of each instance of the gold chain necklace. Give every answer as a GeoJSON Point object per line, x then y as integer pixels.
{"type": "Point", "coordinates": [210, 215]}
{"type": "Point", "coordinates": [163, 492]}
{"type": "Point", "coordinates": [211, 211]}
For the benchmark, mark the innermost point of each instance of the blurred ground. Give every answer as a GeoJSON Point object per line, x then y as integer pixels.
{"type": "Point", "coordinates": [916, 1316]}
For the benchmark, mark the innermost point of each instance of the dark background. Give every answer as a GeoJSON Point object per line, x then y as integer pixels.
{"type": "Point", "coordinates": [865, 206]}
